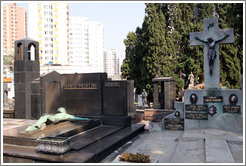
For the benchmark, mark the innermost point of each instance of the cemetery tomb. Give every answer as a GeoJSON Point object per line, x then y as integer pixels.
{"type": "Point", "coordinates": [213, 107]}
{"type": "Point", "coordinates": [92, 96]}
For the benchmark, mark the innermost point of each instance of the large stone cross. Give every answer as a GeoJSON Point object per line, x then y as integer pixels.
{"type": "Point", "coordinates": [210, 38]}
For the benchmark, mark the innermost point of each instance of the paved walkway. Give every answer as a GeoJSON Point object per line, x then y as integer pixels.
{"type": "Point", "coordinates": [192, 146]}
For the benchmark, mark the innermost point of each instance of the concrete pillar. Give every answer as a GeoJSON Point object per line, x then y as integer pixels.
{"type": "Point", "coordinates": [156, 96]}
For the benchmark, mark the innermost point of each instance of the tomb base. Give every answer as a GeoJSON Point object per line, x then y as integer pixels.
{"type": "Point", "coordinates": [122, 121]}
{"type": "Point", "coordinates": [214, 108]}
{"type": "Point", "coordinates": [151, 114]}
{"type": "Point", "coordinates": [81, 141]}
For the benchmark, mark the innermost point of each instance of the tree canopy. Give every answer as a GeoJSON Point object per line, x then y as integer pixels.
{"type": "Point", "coordinates": [162, 44]}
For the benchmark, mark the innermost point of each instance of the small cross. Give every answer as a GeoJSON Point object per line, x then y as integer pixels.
{"type": "Point", "coordinates": [210, 38]}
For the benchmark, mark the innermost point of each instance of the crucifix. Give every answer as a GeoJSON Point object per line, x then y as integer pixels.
{"type": "Point", "coordinates": [210, 38]}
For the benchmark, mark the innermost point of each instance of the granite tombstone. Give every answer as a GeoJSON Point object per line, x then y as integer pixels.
{"type": "Point", "coordinates": [26, 69]}
{"type": "Point", "coordinates": [90, 95]}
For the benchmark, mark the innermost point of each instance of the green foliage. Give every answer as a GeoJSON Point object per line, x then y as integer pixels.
{"type": "Point", "coordinates": [8, 59]}
{"type": "Point", "coordinates": [162, 44]}
{"type": "Point", "coordinates": [231, 57]}
{"type": "Point", "coordinates": [136, 158]}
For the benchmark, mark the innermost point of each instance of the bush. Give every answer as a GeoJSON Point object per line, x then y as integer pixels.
{"type": "Point", "coordinates": [136, 158]}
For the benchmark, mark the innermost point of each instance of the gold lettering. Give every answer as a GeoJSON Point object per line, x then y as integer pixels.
{"type": "Point", "coordinates": [80, 86]}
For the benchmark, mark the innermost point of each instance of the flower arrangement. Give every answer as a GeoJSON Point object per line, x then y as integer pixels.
{"type": "Point", "coordinates": [136, 158]}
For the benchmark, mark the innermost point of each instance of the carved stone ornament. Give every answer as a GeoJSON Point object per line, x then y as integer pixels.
{"type": "Point", "coordinates": [55, 145]}
{"type": "Point", "coordinates": [212, 110]}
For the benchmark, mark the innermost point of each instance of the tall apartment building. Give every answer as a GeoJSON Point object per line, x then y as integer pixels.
{"type": "Point", "coordinates": [49, 25]}
{"type": "Point", "coordinates": [78, 41]}
{"type": "Point", "coordinates": [86, 43]}
{"type": "Point", "coordinates": [120, 62]}
{"type": "Point", "coordinates": [111, 66]}
{"type": "Point", "coordinates": [14, 25]}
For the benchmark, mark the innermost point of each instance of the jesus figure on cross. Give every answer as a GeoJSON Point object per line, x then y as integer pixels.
{"type": "Point", "coordinates": [211, 52]}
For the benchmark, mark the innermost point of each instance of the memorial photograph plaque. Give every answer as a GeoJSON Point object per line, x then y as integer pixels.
{"type": "Point", "coordinates": [177, 114]}
{"type": "Point", "coordinates": [233, 99]}
{"type": "Point", "coordinates": [193, 98]}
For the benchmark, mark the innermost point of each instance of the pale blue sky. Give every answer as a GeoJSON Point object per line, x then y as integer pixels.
{"type": "Point", "coordinates": [118, 19]}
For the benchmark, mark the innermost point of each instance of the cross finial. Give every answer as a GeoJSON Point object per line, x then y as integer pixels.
{"type": "Point", "coordinates": [210, 38]}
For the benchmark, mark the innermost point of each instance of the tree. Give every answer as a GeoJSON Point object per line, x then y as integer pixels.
{"type": "Point", "coordinates": [149, 49]}
{"type": "Point", "coordinates": [191, 59]}
{"type": "Point", "coordinates": [8, 61]}
{"type": "Point", "coordinates": [154, 45]}
{"type": "Point", "coordinates": [162, 44]}
{"type": "Point", "coordinates": [231, 55]}
{"type": "Point", "coordinates": [130, 44]}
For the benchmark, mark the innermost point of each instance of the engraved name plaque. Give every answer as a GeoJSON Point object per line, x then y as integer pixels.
{"type": "Point", "coordinates": [231, 109]}
{"type": "Point", "coordinates": [198, 108]}
{"type": "Point", "coordinates": [212, 99]}
{"type": "Point", "coordinates": [196, 116]}
{"type": "Point", "coordinates": [174, 124]}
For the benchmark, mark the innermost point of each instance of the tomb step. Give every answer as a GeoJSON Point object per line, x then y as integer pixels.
{"type": "Point", "coordinates": [86, 138]}
{"type": "Point", "coordinates": [189, 150]}
{"type": "Point", "coordinates": [27, 152]}
{"type": "Point", "coordinates": [20, 141]}
{"type": "Point", "coordinates": [107, 145]}
{"type": "Point", "coordinates": [218, 151]}
{"type": "Point", "coordinates": [82, 126]}
{"type": "Point", "coordinates": [92, 153]}
{"type": "Point", "coordinates": [65, 130]}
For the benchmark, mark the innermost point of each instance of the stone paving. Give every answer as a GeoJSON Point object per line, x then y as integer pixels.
{"type": "Point", "coordinates": [190, 146]}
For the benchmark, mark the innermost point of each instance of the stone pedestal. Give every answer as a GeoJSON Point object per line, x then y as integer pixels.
{"type": "Point", "coordinates": [8, 113]}
{"type": "Point", "coordinates": [130, 96]}
{"type": "Point", "coordinates": [213, 107]}
{"type": "Point", "coordinates": [227, 115]}
{"type": "Point", "coordinates": [156, 96]}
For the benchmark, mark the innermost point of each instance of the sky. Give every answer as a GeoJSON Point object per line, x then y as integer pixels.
{"type": "Point", "coordinates": [118, 18]}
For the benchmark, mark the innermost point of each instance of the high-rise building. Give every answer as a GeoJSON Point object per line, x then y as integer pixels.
{"type": "Point", "coordinates": [111, 62]}
{"type": "Point", "coordinates": [120, 62]}
{"type": "Point", "coordinates": [49, 25]}
{"type": "Point", "coordinates": [86, 43]}
{"type": "Point", "coordinates": [96, 45]}
{"type": "Point", "coordinates": [78, 41]}
{"type": "Point", "coordinates": [14, 25]}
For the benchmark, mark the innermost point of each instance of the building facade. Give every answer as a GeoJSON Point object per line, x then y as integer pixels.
{"type": "Point", "coordinates": [120, 62]}
{"type": "Point", "coordinates": [48, 25]}
{"type": "Point", "coordinates": [96, 45]}
{"type": "Point", "coordinates": [14, 25]}
{"type": "Point", "coordinates": [86, 43]}
{"type": "Point", "coordinates": [111, 62]}
{"type": "Point", "coordinates": [78, 41]}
